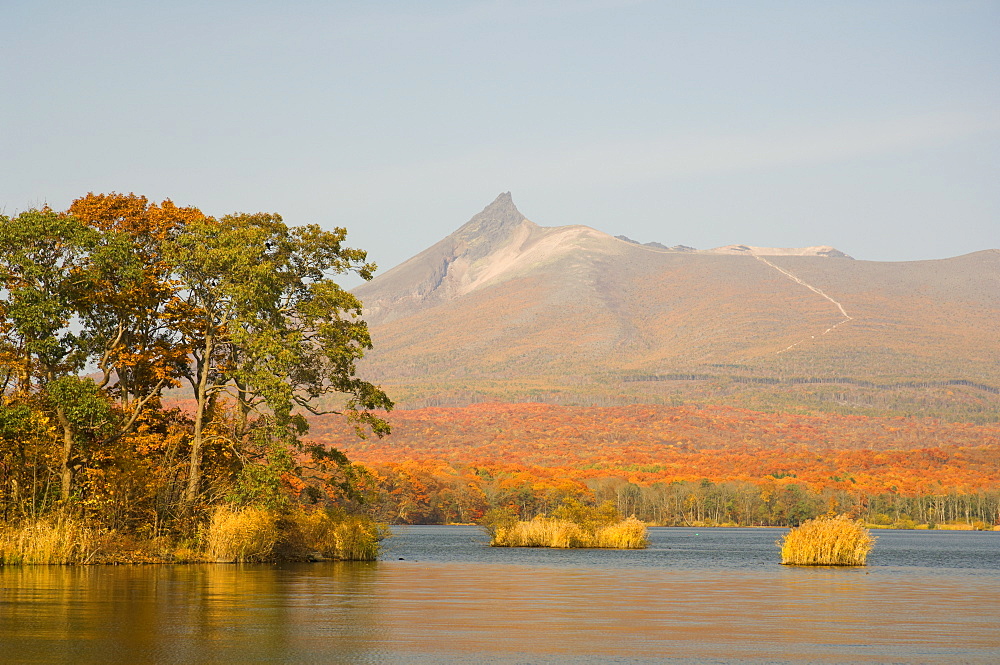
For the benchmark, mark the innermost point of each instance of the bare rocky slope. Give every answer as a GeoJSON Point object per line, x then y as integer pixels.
{"type": "Point", "coordinates": [506, 309]}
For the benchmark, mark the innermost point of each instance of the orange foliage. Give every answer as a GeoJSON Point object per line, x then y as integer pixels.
{"type": "Point", "coordinates": [561, 451]}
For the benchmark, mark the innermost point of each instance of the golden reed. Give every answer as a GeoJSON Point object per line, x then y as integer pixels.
{"type": "Point", "coordinates": [827, 541]}
{"type": "Point", "coordinates": [549, 532]}
{"type": "Point", "coordinates": [258, 534]}
{"type": "Point", "coordinates": [58, 540]}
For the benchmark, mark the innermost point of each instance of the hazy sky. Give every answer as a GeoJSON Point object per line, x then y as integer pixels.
{"type": "Point", "coordinates": [872, 126]}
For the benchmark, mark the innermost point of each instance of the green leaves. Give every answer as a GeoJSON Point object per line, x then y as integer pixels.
{"type": "Point", "coordinates": [283, 331]}
{"type": "Point", "coordinates": [43, 255]}
{"type": "Point", "coordinates": [85, 405]}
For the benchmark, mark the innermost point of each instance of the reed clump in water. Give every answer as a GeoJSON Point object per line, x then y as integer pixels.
{"type": "Point", "coordinates": [59, 540]}
{"type": "Point", "coordinates": [572, 525]}
{"type": "Point", "coordinates": [629, 534]}
{"type": "Point", "coordinates": [827, 541]}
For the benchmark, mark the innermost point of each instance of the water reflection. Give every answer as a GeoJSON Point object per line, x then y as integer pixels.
{"type": "Point", "coordinates": [693, 596]}
{"type": "Point", "coordinates": [185, 614]}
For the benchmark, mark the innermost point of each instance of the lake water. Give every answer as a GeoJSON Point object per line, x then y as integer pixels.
{"type": "Point", "coordinates": [440, 595]}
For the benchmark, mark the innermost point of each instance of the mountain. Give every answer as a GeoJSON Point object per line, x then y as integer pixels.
{"type": "Point", "coordinates": [506, 309]}
{"type": "Point", "coordinates": [496, 245]}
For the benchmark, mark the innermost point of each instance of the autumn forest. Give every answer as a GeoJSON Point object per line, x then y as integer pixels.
{"type": "Point", "coordinates": [685, 465]}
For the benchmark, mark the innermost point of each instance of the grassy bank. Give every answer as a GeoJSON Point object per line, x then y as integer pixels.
{"type": "Point", "coordinates": [230, 535]}
{"type": "Point", "coordinates": [957, 526]}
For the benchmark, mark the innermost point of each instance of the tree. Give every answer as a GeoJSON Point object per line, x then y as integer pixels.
{"type": "Point", "coordinates": [43, 258]}
{"type": "Point", "coordinates": [142, 296]}
{"type": "Point", "coordinates": [128, 287]}
{"type": "Point", "coordinates": [265, 324]}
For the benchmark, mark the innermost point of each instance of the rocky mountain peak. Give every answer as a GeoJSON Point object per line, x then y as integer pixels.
{"type": "Point", "coordinates": [485, 231]}
{"type": "Point", "coordinates": [448, 268]}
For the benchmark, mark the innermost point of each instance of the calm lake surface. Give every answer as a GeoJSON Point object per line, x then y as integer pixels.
{"type": "Point", "coordinates": [440, 595]}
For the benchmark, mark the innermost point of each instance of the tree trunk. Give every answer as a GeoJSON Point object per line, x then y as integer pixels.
{"type": "Point", "coordinates": [201, 395]}
{"type": "Point", "coordinates": [66, 469]}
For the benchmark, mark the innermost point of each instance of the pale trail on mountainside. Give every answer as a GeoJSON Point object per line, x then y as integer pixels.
{"type": "Point", "coordinates": [847, 317]}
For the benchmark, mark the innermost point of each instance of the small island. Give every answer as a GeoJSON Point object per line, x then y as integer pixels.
{"type": "Point", "coordinates": [571, 525]}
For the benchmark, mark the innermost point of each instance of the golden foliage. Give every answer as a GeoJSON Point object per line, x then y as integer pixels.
{"type": "Point", "coordinates": [337, 536]}
{"type": "Point", "coordinates": [260, 534]}
{"type": "Point", "coordinates": [629, 534]}
{"type": "Point", "coordinates": [827, 541]}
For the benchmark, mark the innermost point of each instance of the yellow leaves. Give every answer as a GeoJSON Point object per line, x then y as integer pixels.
{"type": "Point", "coordinates": [133, 215]}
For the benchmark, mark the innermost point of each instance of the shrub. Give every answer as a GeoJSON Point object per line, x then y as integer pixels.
{"type": "Point", "coordinates": [498, 518]}
{"type": "Point", "coordinates": [827, 541]}
{"type": "Point", "coordinates": [358, 538]}
{"type": "Point", "coordinates": [335, 535]}
{"type": "Point", "coordinates": [881, 519]}
{"type": "Point", "coordinates": [261, 534]}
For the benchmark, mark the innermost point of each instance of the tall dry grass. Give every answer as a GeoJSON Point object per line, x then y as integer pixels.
{"type": "Point", "coordinates": [338, 536]}
{"type": "Point", "coordinates": [232, 534]}
{"type": "Point", "coordinates": [61, 539]}
{"type": "Point", "coordinates": [629, 534]}
{"type": "Point", "coordinates": [827, 541]}
{"type": "Point", "coordinates": [550, 532]}
{"type": "Point", "coordinates": [241, 535]}
{"type": "Point", "coordinates": [258, 534]}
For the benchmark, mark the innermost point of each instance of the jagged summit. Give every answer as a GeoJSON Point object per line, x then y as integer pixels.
{"type": "Point", "coordinates": [502, 213]}
{"type": "Point", "coordinates": [493, 226]}
{"type": "Point", "coordinates": [495, 245]}
{"type": "Point", "coordinates": [442, 271]}
{"type": "Point", "coordinates": [505, 307]}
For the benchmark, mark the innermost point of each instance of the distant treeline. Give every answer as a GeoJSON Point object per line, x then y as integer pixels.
{"type": "Point", "coordinates": [432, 494]}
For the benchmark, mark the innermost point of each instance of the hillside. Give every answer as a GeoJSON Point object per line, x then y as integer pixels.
{"type": "Point", "coordinates": [675, 464]}
{"type": "Point", "coordinates": [506, 309]}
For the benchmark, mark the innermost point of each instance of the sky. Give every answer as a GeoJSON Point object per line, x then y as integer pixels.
{"type": "Point", "coordinates": [872, 126]}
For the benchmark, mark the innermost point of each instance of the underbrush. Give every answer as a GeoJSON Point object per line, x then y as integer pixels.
{"type": "Point", "coordinates": [827, 541]}
{"type": "Point", "coordinates": [60, 539]}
